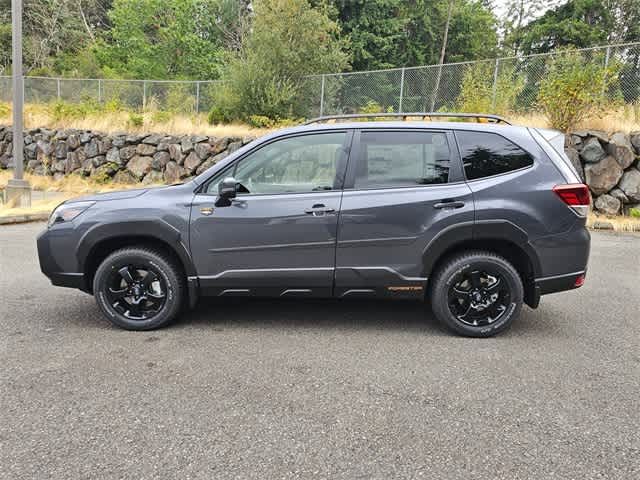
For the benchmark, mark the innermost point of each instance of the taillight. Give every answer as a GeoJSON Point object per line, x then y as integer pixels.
{"type": "Point", "coordinates": [575, 195]}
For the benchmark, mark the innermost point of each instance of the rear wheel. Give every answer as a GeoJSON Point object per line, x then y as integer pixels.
{"type": "Point", "coordinates": [477, 294]}
{"type": "Point", "coordinates": [139, 288]}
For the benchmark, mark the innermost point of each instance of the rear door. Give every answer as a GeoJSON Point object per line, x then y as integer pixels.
{"type": "Point", "coordinates": [278, 236]}
{"type": "Point", "coordinates": [403, 187]}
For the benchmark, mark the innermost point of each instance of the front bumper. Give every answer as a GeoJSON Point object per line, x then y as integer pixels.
{"type": "Point", "coordinates": [55, 260]}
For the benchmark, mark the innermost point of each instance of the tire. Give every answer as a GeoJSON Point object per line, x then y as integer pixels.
{"type": "Point", "coordinates": [139, 288]}
{"type": "Point", "coordinates": [476, 294]}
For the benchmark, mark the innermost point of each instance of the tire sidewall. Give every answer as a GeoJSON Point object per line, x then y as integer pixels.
{"type": "Point", "coordinates": [466, 265]}
{"type": "Point", "coordinates": [116, 261]}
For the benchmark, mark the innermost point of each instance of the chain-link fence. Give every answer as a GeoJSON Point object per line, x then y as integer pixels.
{"type": "Point", "coordinates": [510, 83]}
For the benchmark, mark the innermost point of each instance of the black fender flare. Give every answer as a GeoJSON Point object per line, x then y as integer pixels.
{"type": "Point", "coordinates": [156, 229]}
{"type": "Point", "coordinates": [467, 232]}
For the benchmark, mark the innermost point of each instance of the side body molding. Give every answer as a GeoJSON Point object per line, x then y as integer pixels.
{"type": "Point", "coordinates": [499, 230]}
{"type": "Point", "coordinates": [157, 229]}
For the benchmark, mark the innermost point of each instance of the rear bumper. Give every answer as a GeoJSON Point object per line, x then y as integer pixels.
{"type": "Point", "coordinates": [559, 283]}
{"type": "Point", "coordinates": [51, 267]}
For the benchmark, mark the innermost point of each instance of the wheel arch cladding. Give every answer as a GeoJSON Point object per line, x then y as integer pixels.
{"type": "Point", "coordinates": [500, 237]}
{"type": "Point", "coordinates": [98, 242]}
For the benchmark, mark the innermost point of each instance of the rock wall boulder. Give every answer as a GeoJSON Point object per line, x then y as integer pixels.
{"type": "Point", "coordinates": [125, 158]}
{"type": "Point", "coordinates": [611, 166]}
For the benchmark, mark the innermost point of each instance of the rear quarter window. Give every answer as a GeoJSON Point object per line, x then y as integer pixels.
{"type": "Point", "coordinates": [486, 154]}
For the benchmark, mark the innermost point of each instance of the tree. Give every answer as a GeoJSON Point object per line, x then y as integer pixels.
{"type": "Point", "coordinates": [519, 13]}
{"type": "Point", "coordinates": [52, 29]}
{"type": "Point", "coordinates": [626, 19]}
{"type": "Point", "coordinates": [162, 39]}
{"type": "Point", "coordinates": [389, 33]}
{"type": "Point", "coordinates": [472, 33]}
{"type": "Point", "coordinates": [394, 33]}
{"type": "Point", "coordinates": [288, 41]}
{"type": "Point", "coordinates": [579, 23]}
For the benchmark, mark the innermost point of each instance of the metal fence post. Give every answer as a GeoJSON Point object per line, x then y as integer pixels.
{"type": "Point", "coordinates": [322, 96]}
{"type": "Point", "coordinates": [144, 95]}
{"type": "Point", "coordinates": [494, 91]}
{"type": "Point", "coordinates": [197, 97]}
{"type": "Point", "coordinates": [401, 91]}
{"type": "Point", "coordinates": [58, 87]}
{"type": "Point", "coordinates": [606, 65]}
{"type": "Point", "coordinates": [99, 91]}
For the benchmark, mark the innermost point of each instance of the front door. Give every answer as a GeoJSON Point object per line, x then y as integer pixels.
{"type": "Point", "coordinates": [402, 189]}
{"type": "Point", "coordinates": [278, 236]}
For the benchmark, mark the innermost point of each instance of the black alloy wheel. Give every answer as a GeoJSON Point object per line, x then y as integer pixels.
{"type": "Point", "coordinates": [137, 292]}
{"type": "Point", "coordinates": [139, 288]}
{"type": "Point", "coordinates": [479, 297]}
{"type": "Point", "coordinates": [476, 293]}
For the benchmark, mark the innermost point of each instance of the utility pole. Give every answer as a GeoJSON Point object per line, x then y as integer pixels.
{"type": "Point", "coordinates": [442, 52]}
{"type": "Point", "coordinates": [18, 190]}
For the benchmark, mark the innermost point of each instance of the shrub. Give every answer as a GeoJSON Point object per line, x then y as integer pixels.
{"type": "Point", "coordinates": [477, 93]}
{"type": "Point", "coordinates": [180, 98]}
{"type": "Point", "coordinates": [217, 115]}
{"type": "Point", "coordinates": [260, 121]}
{"type": "Point", "coordinates": [135, 120]}
{"type": "Point", "coordinates": [574, 89]}
{"type": "Point", "coordinates": [161, 116]}
{"type": "Point", "coordinates": [60, 110]}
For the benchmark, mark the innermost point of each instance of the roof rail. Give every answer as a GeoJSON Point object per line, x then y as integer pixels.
{"type": "Point", "coordinates": [476, 116]}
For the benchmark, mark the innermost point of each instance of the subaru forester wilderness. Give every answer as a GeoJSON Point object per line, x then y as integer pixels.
{"type": "Point", "coordinates": [473, 218]}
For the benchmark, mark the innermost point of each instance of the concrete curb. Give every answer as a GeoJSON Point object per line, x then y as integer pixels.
{"type": "Point", "coordinates": [31, 217]}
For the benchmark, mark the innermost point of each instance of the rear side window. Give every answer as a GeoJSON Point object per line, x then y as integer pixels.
{"type": "Point", "coordinates": [402, 159]}
{"type": "Point", "coordinates": [486, 154]}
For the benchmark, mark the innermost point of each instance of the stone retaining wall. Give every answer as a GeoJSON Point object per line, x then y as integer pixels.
{"type": "Point", "coordinates": [609, 164]}
{"type": "Point", "coordinates": [125, 158]}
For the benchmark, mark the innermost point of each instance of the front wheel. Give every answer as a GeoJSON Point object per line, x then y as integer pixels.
{"type": "Point", "coordinates": [477, 294]}
{"type": "Point", "coordinates": [139, 288]}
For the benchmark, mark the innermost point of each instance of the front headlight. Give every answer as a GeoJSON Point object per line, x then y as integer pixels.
{"type": "Point", "coordinates": [67, 212]}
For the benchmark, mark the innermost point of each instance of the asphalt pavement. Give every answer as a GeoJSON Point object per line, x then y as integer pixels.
{"type": "Point", "coordinates": [259, 389]}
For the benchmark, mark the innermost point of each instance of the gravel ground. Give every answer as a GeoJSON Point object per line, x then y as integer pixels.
{"type": "Point", "coordinates": [301, 389]}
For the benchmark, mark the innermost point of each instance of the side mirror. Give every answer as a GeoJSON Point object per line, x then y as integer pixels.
{"type": "Point", "coordinates": [227, 190]}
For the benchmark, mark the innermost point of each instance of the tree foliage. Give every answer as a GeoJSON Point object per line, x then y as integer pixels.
{"type": "Point", "coordinates": [395, 33]}
{"type": "Point", "coordinates": [289, 40]}
{"type": "Point", "coordinates": [578, 23]}
{"type": "Point", "coordinates": [162, 39]}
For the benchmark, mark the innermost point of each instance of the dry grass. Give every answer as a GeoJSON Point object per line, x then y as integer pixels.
{"type": "Point", "coordinates": [619, 223]}
{"type": "Point", "coordinates": [68, 187]}
{"type": "Point", "coordinates": [44, 206]}
{"type": "Point", "coordinates": [73, 184]}
{"type": "Point", "coordinates": [625, 119]}
{"type": "Point", "coordinates": [39, 115]}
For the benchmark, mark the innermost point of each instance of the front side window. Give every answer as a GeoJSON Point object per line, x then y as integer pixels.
{"type": "Point", "coordinates": [402, 159]}
{"type": "Point", "coordinates": [486, 154]}
{"type": "Point", "coordinates": [305, 163]}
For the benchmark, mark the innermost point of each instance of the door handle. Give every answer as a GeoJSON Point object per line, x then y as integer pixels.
{"type": "Point", "coordinates": [449, 204]}
{"type": "Point", "coordinates": [318, 210]}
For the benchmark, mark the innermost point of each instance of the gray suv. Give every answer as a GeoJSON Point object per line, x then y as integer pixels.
{"type": "Point", "coordinates": [474, 218]}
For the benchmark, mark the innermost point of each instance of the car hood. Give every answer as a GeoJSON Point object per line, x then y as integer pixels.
{"type": "Point", "coordinates": [117, 195]}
